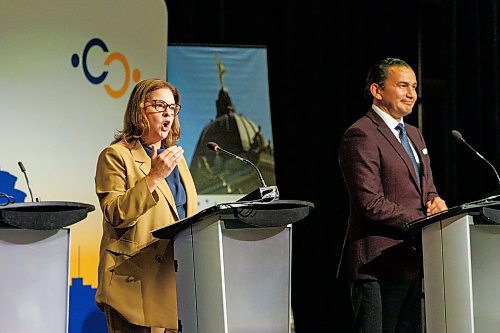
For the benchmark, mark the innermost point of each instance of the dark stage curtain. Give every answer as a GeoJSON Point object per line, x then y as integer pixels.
{"type": "Point", "coordinates": [318, 56]}
{"type": "Point", "coordinates": [460, 52]}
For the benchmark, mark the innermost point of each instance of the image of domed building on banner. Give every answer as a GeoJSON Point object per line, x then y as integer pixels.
{"type": "Point", "coordinates": [220, 173]}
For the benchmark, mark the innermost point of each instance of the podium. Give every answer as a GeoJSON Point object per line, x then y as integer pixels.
{"type": "Point", "coordinates": [461, 268]}
{"type": "Point", "coordinates": [34, 259]}
{"type": "Point", "coordinates": [233, 264]}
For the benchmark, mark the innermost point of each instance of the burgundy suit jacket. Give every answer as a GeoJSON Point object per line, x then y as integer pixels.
{"type": "Point", "coordinates": [385, 194]}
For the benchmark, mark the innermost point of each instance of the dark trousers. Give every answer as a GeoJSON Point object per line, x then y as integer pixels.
{"type": "Point", "coordinates": [387, 306]}
{"type": "Point", "coordinates": [118, 324]}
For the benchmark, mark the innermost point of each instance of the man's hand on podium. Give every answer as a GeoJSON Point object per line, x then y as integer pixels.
{"type": "Point", "coordinates": [436, 205]}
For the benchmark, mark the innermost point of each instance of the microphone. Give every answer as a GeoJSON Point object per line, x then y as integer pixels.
{"type": "Point", "coordinates": [459, 137]}
{"type": "Point", "coordinates": [264, 192]}
{"type": "Point", "coordinates": [21, 166]}
{"type": "Point", "coordinates": [215, 147]}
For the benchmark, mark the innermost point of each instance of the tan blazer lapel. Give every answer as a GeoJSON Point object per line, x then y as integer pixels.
{"type": "Point", "coordinates": [165, 190]}
{"type": "Point", "coordinates": [187, 180]}
{"type": "Point", "coordinates": [141, 158]}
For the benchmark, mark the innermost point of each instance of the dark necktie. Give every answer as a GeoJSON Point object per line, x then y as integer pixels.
{"type": "Point", "coordinates": [406, 145]}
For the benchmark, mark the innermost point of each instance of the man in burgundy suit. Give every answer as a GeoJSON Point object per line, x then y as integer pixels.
{"type": "Point", "coordinates": [388, 187]}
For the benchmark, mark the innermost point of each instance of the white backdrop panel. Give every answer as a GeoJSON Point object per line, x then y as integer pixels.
{"type": "Point", "coordinates": [53, 118]}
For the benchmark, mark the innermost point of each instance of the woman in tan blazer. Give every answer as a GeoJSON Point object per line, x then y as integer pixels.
{"type": "Point", "coordinates": [143, 183]}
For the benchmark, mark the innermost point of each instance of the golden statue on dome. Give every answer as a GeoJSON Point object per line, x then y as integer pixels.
{"type": "Point", "coordinates": [215, 173]}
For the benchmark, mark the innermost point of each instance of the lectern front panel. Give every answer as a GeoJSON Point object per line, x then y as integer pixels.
{"type": "Point", "coordinates": [233, 279]}
{"type": "Point", "coordinates": [34, 280]}
{"type": "Point", "coordinates": [485, 252]}
{"type": "Point", "coordinates": [200, 283]}
{"type": "Point", "coordinates": [448, 276]}
{"type": "Point", "coordinates": [257, 279]}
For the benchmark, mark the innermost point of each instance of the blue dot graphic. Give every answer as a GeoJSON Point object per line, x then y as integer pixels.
{"type": "Point", "coordinates": [75, 60]}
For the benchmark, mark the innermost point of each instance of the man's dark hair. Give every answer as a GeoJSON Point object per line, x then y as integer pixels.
{"type": "Point", "coordinates": [378, 73]}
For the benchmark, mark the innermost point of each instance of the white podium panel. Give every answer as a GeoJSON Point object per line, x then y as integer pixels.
{"type": "Point", "coordinates": [34, 280]}
{"type": "Point", "coordinates": [485, 259]}
{"type": "Point", "coordinates": [461, 269]}
{"type": "Point", "coordinates": [232, 278]}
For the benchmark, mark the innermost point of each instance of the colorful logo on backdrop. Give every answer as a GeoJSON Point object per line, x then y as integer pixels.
{"type": "Point", "coordinates": [129, 75]}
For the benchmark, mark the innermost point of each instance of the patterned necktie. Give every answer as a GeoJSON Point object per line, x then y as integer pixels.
{"type": "Point", "coordinates": [406, 145]}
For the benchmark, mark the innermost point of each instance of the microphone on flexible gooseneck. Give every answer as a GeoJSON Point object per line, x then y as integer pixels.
{"type": "Point", "coordinates": [23, 169]}
{"type": "Point", "coordinates": [459, 137]}
{"type": "Point", "coordinates": [215, 147]}
{"type": "Point", "coordinates": [263, 193]}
